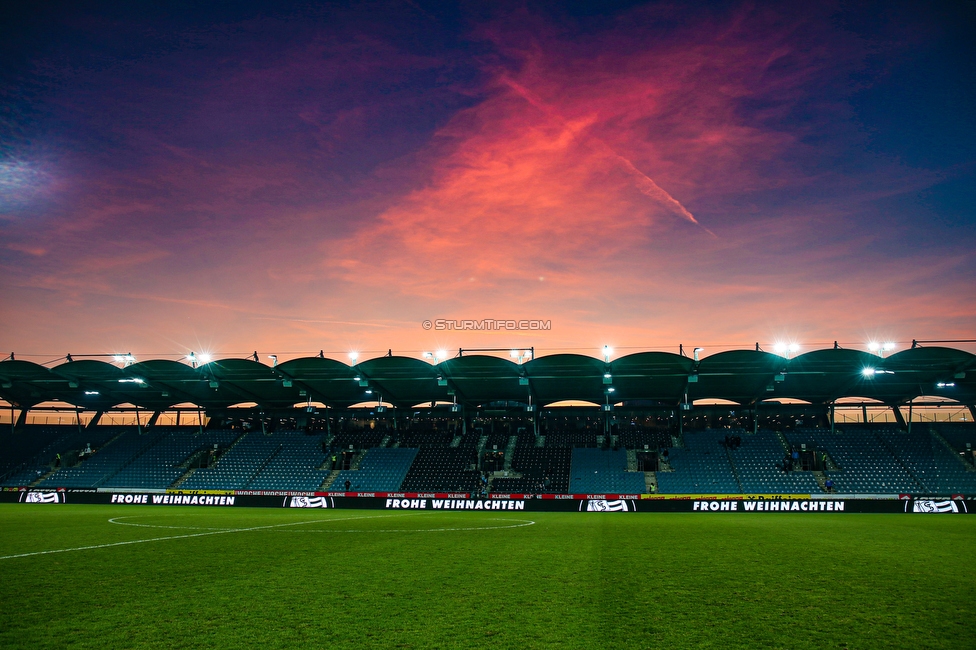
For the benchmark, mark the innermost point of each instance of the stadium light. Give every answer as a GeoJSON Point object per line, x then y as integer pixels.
{"type": "Point", "coordinates": [786, 349]}
{"type": "Point", "coordinates": [607, 352]}
{"type": "Point", "coordinates": [881, 348]}
{"type": "Point", "coordinates": [868, 372]}
{"type": "Point", "coordinates": [353, 356]}
{"type": "Point", "coordinates": [428, 355]}
{"type": "Point", "coordinates": [274, 360]}
{"type": "Point", "coordinates": [205, 358]}
{"type": "Point", "coordinates": [441, 355]}
{"type": "Point", "coordinates": [91, 392]}
{"type": "Point", "coordinates": [697, 351]}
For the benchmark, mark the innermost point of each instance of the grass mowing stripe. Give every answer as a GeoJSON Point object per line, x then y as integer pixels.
{"type": "Point", "coordinates": [160, 539]}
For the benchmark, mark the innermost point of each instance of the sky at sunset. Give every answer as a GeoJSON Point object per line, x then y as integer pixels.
{"type": "Point", "coordinates": [289, 178]}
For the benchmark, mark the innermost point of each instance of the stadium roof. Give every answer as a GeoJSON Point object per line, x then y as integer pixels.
{"type": "Point", "coordinates": [742, 376]}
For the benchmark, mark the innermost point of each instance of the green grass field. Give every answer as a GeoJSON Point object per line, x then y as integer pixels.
{"type": "Point", "coordinates": [351, 579]}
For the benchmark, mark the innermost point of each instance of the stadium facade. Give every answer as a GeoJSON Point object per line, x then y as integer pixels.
{"type": "Point", "coordinates": [402, 430]}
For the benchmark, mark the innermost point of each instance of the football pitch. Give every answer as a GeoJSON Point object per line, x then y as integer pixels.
{"type": "Point", "coordinates": [131, 577]}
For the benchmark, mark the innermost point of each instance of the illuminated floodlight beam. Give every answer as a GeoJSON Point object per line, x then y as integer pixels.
{"type": "Point", "coordinates": [786, 349]}
{"type": "Point", "coordinates": [607, 353]}
{"type": "Point", "coordinates": [881, 348]}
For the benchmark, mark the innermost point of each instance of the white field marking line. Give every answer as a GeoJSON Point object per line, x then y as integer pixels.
{"type": "Point", "coordinates": [522, 523]}
{"type": "Point", "coordinates": [159, 539]}
{"type": "Point", "coordinates": [118, 521]}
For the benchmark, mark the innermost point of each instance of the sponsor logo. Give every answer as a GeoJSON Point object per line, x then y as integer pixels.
{"type": "Point", "coordinates": [929, 506]}
{"type": "Point", "coordinates": [44, 497]}
{"type": "Point", "coordinates": [602, 505]}
{"type": "Point", "coordinates": [308, 502]}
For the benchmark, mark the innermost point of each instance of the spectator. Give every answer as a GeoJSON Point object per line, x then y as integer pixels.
{"type": "Point", "coordinates": [829, 484]}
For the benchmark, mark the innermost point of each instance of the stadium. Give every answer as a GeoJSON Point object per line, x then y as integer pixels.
{"type": "Point", "coordinates": [514, 324]}
{"type": "Point", "coordinates": [571, 455]}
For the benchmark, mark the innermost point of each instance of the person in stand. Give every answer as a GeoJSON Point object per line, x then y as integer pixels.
{"type": "Point", "coordinates": [829, 484]}
{"type": "Point", "coordinates": [57, 460]}
{"type": "Point", "coordinates": [348, 485]}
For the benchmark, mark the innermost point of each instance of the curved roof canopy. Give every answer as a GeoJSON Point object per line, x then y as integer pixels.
{"type": "Point", "coordinates": [742, 376]}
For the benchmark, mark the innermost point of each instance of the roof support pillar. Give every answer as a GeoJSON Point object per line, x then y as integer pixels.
{"type": "Point", "coordinates": [22, 418]}
{"type": "Point", "coordinates": [94, 421]}
{"type": "Point", "coordinates": [972, 410]}
{"type": "Point", "coordinates": [900, 419]}
{"type": "Point", "coordinates": [152, 420]}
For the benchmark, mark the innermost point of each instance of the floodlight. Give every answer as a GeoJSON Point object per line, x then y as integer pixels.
{"type": "Point", "coordinates": [873, 346]}
{"type": "Point", "coordinates": [428, 355]}
{"type": "Point", "coordinates": [353, 356]}
{"type": "Point", "coordinates": [868, 372]}
{"type": "Point", "coordinates": [205, 358]}
{"type": "Point", "coordinates": [607, 375]}
{"type": "Point", "coordinates": [91, 392]}
{"type": "Point", "coordinates": [514, 354]}
{"type": "Point", "coordinates": [779, 348]}
{"type": "Point", "coordinates": [118, 358]}
{"type": "Point", "coordinates": [794, 347]}
{"type": "Point", "coordinates": [889, 346]}
{"type": "Point", "coordinates": [607, 352]}
{"type": "Point", "coordinates": [442, 354]}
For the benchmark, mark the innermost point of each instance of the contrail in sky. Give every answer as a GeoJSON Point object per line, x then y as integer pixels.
{"type": "Point", "coordinates": [643, 182]}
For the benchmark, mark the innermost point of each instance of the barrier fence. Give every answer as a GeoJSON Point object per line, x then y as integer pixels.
{"type": "Point", "coordinates": [706, 504]}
